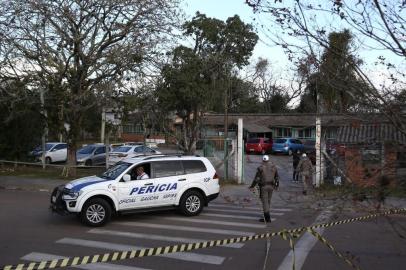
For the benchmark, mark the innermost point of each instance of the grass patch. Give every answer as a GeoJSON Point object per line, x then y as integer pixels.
{"type": "Point", "coordinates": [47, 173]}
{"type": "Point", "coordinates": [360, 193]}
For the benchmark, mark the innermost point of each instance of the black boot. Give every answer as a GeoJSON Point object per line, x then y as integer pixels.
{"type": "Point", "coordinates": [266, 218]}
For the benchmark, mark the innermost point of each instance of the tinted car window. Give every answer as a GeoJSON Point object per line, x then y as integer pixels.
{"type": "Point", "coordinates": [280, 141]}
{"type": "Point", "coordinates": [253, 141]}
{"type": "Point", "coordinates": [193, 166]}
{"type": "Point", "coordinates": [123, 149]}
{"type": "Point", "coordinates": [86, 150]}
{"type": "Point", "coordinates": [139, 149]}
{"type": "Point", "coordinates": [266, 140]}
{"type": "Point", "coordinates": [60, 146]}
{"type": "Point", "coordinates": [167, 168]}
{"type": "Point", "coordinates": [100, 150]}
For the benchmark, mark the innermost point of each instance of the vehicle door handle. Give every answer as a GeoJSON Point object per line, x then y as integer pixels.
{"type": "Point", "coordinates": [183, 179]}
{"type": "Point", "coordinates": [148, 184]}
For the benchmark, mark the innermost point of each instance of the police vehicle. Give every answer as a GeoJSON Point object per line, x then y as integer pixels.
{"type": "Point", "coordinates": [187, 183]}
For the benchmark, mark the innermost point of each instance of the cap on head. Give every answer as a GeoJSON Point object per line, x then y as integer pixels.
{"type": "Point", "coordinates": [265, 158]}
{"type": "Point", "coordinates": [304, 155]}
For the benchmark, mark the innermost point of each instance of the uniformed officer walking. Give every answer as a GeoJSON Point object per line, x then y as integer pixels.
{"type": "Point", "coordinates": [267, 179]}
{"type": "Point", "coordinates": [305, 168]}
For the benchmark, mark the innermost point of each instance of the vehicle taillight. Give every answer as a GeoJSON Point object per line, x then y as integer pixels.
{"type": "Point", "coordinates": [215, 176]}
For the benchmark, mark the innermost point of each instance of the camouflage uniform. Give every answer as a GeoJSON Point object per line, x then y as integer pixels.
{"type": "Point", "coordinates": [305, 168]}
{"type": "Point", "coordinates": [267, 179]}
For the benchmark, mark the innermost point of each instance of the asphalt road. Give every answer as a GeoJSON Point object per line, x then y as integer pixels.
{"type": "Point", "coordinates": [30, 232]}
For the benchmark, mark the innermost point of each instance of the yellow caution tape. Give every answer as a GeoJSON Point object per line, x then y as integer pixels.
{"type": "Point", "coordinates": [338, 254]}
{"type": "Point", "coordinates": [124, 255]}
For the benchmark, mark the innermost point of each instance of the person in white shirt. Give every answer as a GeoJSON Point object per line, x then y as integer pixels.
{"type": "Point", "coordinates": [141, 175]}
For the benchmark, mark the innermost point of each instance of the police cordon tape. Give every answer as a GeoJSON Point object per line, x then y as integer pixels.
{"type": "Point", "coordinates": [338, 254]}
{"type": "Point", "coordinates": [124, 255]}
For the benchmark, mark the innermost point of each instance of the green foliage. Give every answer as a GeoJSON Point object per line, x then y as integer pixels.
{"type": "Point", "coordinates": [335, 79]}
{"type": "Point", "coordinates": [21, 122]}
{"type": "Point", "coordinates": [197, 78]}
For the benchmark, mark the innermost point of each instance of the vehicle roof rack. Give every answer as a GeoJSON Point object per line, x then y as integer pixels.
{"type": "Point", "coordinates": [169, 155]}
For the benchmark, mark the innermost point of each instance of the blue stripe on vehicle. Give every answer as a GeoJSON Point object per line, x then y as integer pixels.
{"type": "Point", "coordinates": [80, 186]}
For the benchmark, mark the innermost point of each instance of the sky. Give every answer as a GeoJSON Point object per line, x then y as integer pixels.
{"type": "Point", "coordinates": [222, 9]}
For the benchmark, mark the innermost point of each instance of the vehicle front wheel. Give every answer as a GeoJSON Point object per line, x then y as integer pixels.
{"type": "Point", "coordinates": [88, 162]}
{"type": "Point", "coordinates": [48, 160]}
{"type": "Point", "coordinates": [290, 152]}
{"type": "Point", "coordinates": [191, 203]}
{"type": "Point", "coordinates": [96, 212]}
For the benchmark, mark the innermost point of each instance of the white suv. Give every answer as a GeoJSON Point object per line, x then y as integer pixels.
{"type": "Point", "coordinates": [187, 183]}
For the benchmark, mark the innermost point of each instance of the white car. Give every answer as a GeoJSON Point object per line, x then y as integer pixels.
{"type": "Point", "coordinates": [127, 151]}
{"type": "Point", "coordinates": [55, 152]}
{"type": "Point", "coordinates": [187, 183]}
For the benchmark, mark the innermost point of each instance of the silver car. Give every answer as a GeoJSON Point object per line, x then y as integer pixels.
{"type": "Point", "coordinates": [92, 154]}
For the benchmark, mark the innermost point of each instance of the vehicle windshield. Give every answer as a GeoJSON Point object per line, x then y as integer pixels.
{"type": "Point", "coordinates": [48, 146]}
{"type": "Point", "coordinates": [122, 149]}
{"type": "Point", "coordinates": [115, 171]}
{"type": "Point", "coordinates": [280, 141]}
{"type": "Point", "coordinates": [86, 150]}
{"type": "Point", "coordinates": [253, 141]}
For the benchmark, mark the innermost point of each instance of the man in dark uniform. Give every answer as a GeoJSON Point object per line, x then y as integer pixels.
{"type": "Point", "coordinates": [267, 179]}
{"type": "Point", "coordinates": [295, 159]}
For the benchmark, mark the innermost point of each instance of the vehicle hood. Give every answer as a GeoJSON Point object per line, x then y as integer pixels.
{"type": "Point", "coordinates": [78, 184]}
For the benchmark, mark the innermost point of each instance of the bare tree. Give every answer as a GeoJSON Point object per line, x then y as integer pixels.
{"type": "Point", "coordinates": [378, 25]}
{"type": "Point", "coordinates": [274, 92]}
{"type": "Point", "coordinates": [81, 44]}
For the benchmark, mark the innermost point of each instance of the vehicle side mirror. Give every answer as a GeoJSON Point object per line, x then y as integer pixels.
{"type": "Point", "coordinates": [127, 178]}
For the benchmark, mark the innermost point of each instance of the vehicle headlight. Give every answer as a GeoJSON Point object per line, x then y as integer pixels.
{"type": "Point", "coordinates": [72, 195]}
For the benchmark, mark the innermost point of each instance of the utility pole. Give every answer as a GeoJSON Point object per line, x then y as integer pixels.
{"type": "Point", "coordinates": [226, 130]}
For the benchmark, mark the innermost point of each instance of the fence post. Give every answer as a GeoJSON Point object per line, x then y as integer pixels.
{"type": "Point", "coordinates": [240, 149]}
{"type": "Point", "coordinates": [225, 159]}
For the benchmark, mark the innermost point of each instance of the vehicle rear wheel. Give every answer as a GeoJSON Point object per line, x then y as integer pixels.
{"type": "Point", "coordinates": [263, 152]}
{"type": "Point", "coordinates": [96, 212]}
{"type": "Point", "coordinates": [191, 203]}
{"type": "Point", "coordinates": [48, 160]}
{"type": "Point", "coordinates": [290, 152]}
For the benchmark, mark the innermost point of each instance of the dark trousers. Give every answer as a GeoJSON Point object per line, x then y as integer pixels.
{"type": "Point", "coordinates": [295, 174]}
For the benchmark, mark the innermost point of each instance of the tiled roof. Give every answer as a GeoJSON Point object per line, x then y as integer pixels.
{"type": "Point", "coordinates": [370, 133]}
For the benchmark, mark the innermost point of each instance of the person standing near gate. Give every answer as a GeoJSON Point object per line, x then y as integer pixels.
{"type": "Point", "coordinates": [268, 180]}
{"type": "Point", "coordinates": [295, 160]}
{"type": "Point", "coordinates": [305, 169]}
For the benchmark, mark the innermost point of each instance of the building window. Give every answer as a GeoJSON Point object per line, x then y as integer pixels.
{"type": "Point", "coordinates": [283, 132]}
{"type": "Point", "coordinates": [305, 133]}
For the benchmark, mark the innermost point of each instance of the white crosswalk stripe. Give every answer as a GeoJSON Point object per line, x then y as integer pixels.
{"type": "Point", "coordinates": [37, 257]}
{"type": "Point", "coordinates": [208, 221]}
{"type": "Point", "coordinates": [185, 228]}
{"type": "Point", "coordinates": [156, 237]}
{"type": "Point", "coordinates": [184, 256]}
{"type": "Point", "coordinates": [232, 216]}
{"type": "Point", "coordinates": [225, 206]}
{"type": "Point", "coordinates": [247, 212]}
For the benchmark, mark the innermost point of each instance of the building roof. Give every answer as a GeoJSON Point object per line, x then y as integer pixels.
{"type": "Point", "coordinates": [286, 120]}
{"type": "Point", "coordinates": [255, 128]}
{"type": "Point", "coordinates": [370, 133]}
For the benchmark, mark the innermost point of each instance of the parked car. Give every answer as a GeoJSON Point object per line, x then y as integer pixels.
{"type": "Point", "coordinates": [258, 145]}
{"type": "Point", "coordinates": [128, 151]}
{"type": "Point", "coordinates": [92, 154]}
{"type": "Point", "coordinates": [187, 183]}
{"type": "Point", "coordinates": [287, 146]}
{"type": "Point", "coordinates": [54, 152]}
{"type": "Point", "coordinates": [309, 146]}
